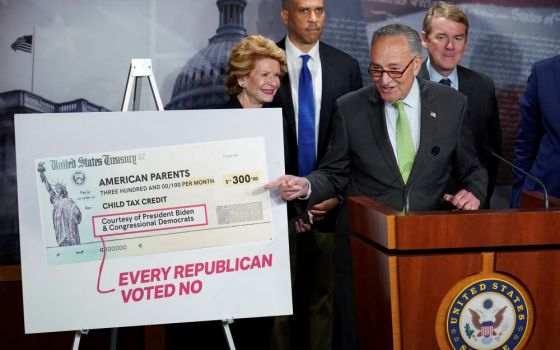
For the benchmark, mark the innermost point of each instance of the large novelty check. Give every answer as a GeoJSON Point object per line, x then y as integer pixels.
{"type": "Point", "coordinates": [147, 201]}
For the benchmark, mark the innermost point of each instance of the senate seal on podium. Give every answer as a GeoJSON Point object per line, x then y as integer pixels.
{"type": "Point", "coordinates": [486, 311]}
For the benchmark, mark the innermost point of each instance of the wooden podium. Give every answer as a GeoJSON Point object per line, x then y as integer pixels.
{"type": "Point", "coordinates": [409, 268]}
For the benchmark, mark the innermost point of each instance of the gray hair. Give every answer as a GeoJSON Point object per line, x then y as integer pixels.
{"type": "Point", "coordinates": [411, 35]}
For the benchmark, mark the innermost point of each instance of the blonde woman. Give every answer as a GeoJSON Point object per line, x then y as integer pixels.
{"type": "Point", "coordinates": [255, 68]}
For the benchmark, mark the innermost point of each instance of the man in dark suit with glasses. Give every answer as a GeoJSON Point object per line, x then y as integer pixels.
{"type": "Point", "coordinates": [397, 142]}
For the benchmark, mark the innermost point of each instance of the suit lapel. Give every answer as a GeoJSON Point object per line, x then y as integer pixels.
{"type": "Point", "coordinates": [285, 94]}
{"type": "Point", "coordinates": [376, 117]}
{"type": "Point", "coordinates": [423, 73]}
{"type": "Point", "coordinates": [428, 127]}
{"type": "Point", "coordinates": [465, 85]}
{"type": "Point", "coordinates": [324, 118]}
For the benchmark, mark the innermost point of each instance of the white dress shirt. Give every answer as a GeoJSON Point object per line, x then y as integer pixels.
{"type": "Point", "coordinates": [435, 76]}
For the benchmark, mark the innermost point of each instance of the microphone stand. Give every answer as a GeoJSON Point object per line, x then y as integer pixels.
{"type": "Point", "coordinates": [406, 208]}
{"type": "Point", "coordinates": [546, 205]}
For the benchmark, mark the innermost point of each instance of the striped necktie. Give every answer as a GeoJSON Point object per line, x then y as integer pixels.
{"type": "Point", "coordinates": [307, 159]}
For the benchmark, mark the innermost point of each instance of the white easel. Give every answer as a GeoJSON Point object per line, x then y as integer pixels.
{"type": "Point", "coordinates": [139, 68]}
{"type": "Point", "coordinates": [227, 332]}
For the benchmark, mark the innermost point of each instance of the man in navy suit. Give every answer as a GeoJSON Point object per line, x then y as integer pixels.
{"type": "Point", "coordinates": [537, 146]}
{"type": "Point", "coordinates": [444, 36]}
{"type": "Point", "coordinates": [333, 73]}
{"type": "Point", "coordinates": [397, 142]}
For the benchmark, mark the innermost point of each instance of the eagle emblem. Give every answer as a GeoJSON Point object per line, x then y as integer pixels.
{"type": "Point", "coordinates": [488, 313]}
{"type": "Point", "coordinates": [486, 328]}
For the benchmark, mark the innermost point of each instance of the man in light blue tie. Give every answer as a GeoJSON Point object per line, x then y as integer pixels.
{"type": "Point", "coordinates": [317, 75]}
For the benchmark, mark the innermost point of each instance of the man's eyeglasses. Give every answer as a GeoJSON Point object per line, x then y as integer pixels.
{"type": "Point", "coordinates": [378, 73]}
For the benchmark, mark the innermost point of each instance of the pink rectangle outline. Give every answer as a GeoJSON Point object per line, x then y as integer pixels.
{"type": "Point", "coordinates": [147, 211]}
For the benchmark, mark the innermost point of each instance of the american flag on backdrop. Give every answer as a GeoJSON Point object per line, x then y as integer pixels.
{"type": "Point", "coordinates": [23, 43]}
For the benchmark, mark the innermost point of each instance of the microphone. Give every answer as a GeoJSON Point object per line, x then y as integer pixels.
{"type": "Point", "coordinates": [537, 180]}
{"type": "Point", "coordinates": [435, 151]}
{"type": "Point", "coordinates": [406, 194]}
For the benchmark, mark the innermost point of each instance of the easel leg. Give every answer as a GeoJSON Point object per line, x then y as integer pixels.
{"type": "Point", "coordinates": [227, 332]}
{"type": "Point", "coordinates": [137, 91]}
{"type": "Point", "coordinates": [76, 342]}
{"type": "Point", "coordinates": [114, 334]}
{"type": "Point", "coordinates": [77, 337]}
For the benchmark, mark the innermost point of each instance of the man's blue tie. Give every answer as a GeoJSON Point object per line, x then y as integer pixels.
{"type": "Point", "coordinates": [306, 121]}
{"type": "Point", "coordinates": [445, 82]}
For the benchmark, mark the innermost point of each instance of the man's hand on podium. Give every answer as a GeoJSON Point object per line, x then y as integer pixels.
{"type": "Point", "coordinates": [463, 200]}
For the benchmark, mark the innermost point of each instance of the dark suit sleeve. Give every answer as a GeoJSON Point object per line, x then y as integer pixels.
{"type": "Point", "coordinates": [528, 135]}
{"type": "Point", "coordinates": [493, 142]}
{"type": "Point", "coordinates": [331, 177]}
{"type": "Point", "coordinates": [474, 177]}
